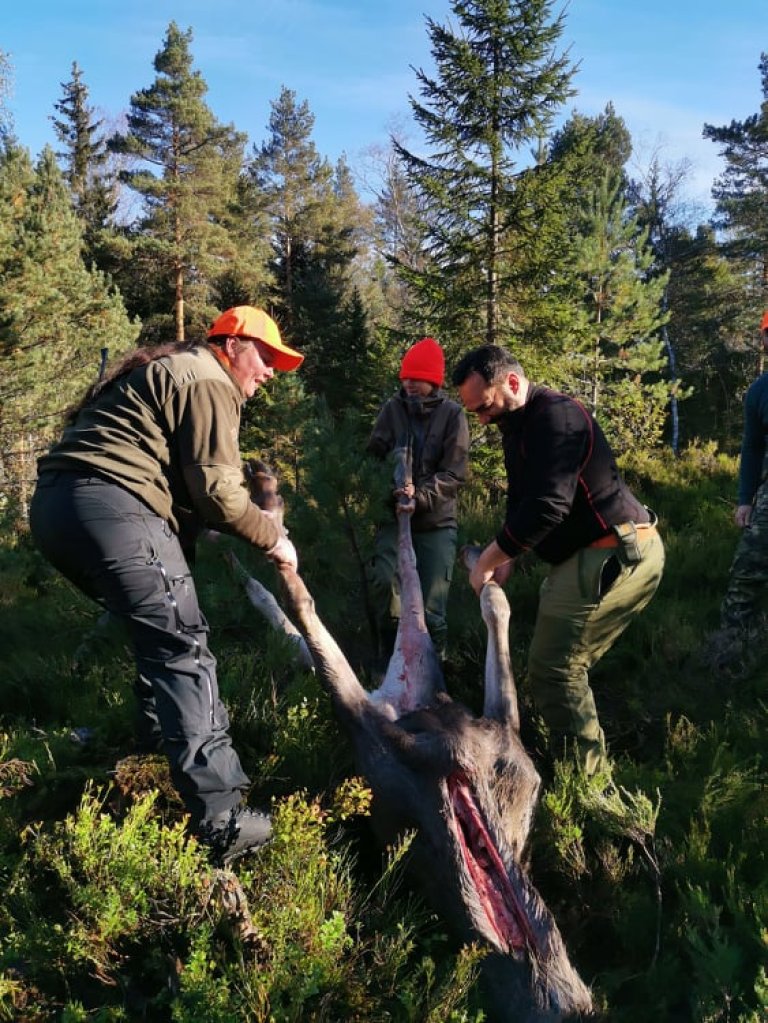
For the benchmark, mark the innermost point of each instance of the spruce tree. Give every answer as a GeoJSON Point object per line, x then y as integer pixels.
{"type": "Point", "coordinates": [396, 249]}
{"type": "Point", "coordinates": [187, 175]}
{"type": "Point", "coordinates": [292, 185]}
{"type": "Point", "coordinates": [592, 153]}
{"type": "Point", "coordinates": [56, 316]}
{"type": "Point", "coordinates": [614, 349]}
{"type": "Point", "coordinates": [497, 85]}
{"type": "Point", "coordinates": [398, 216]}
{"type": "Point", "coordinates": [318, 226]}
{"type": "Point", "coordinates": [714, 360]}
{"type": "Point", "coordinates": [85, 158]}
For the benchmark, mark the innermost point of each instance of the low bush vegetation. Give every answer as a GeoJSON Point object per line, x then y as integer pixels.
{"type": "Point", "coordinates": [110, 912]}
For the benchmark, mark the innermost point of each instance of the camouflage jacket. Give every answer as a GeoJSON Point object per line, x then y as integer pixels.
{"type": "Point", "coordinates": [752, 471]}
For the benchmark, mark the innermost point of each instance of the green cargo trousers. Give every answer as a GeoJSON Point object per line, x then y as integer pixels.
{"type": "Point", "coordinates": [585, 604]}
{"type": "Point", "coordinates": [435, 551]}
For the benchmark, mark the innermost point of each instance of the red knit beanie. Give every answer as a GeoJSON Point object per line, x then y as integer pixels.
{"type": "Point", "coordinates": [424, 361]}
{"type": "Point", "coordinates": [764, 321]}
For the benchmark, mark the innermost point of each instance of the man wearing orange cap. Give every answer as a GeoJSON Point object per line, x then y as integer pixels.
{"type": "Point", "coordinates": [153, 449]}
{"type": "Point", "coordinates": [733, 647]}
{"type": "Point", "coordinates": [439, 436]}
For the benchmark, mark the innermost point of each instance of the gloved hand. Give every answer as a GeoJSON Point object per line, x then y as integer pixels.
{"type": "Point", "coordinates": [284, 553]}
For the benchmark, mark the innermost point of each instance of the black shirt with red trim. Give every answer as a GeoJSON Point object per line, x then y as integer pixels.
{"type": "Point", "coordinates": [564, 488]}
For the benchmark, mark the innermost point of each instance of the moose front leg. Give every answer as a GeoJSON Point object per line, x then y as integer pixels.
{"type": "Point", "coordinates": [500, 690]}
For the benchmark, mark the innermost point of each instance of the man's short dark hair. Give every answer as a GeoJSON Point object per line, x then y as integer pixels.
{"type": "Point", "coordinates": [491, 361]}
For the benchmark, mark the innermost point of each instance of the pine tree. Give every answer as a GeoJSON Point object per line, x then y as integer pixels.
{"type": "Point", "coordinates": [85, 157]}
{"type": "Point", "coordinates": [188, 177]}
{"type": "Point", "coordinates": [246, 276]}
{"type": "Point", "coordinates": [498, 83]}
{"type": "Point", "coordinates": [591, 146]}
{"type": "Point", "coordinates": [741, 194]}
{"type": "Point", "coordinates": [292, 184]}
{"type": "Point", "coordinates": [55, 315]}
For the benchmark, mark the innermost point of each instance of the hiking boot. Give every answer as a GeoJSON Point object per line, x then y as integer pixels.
{"type": "Point", "coordinates": [231, 835]}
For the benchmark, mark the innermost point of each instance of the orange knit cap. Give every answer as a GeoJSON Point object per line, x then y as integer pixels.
{"type": "Point", "coordinates": [424, 361]}
{"type": "Point", "coordinates": [246, 321]}
{"type": "Point", "coordinates": [764, 321]}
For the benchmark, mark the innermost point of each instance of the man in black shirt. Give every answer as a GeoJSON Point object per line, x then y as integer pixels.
{"type": "Point", "coordinates": [567, 501]}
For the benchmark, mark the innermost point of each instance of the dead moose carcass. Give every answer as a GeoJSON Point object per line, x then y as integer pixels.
{"type": "Point", "coordinates": [464, 785]}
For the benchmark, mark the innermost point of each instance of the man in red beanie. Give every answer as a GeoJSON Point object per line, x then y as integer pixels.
{"type": "Point", "coordinates": [151, 454]}
{"type": "Point", "coordinates": [437, 429]}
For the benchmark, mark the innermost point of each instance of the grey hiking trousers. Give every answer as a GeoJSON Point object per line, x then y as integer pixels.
{"type": "Point", "coordinates": [120, 553]}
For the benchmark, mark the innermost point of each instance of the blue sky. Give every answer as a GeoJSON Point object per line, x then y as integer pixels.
{"type": "Point", "coordinates": [668, 66]}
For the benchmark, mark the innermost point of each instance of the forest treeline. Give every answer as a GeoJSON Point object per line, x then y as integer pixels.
{"type": "Point", "coordinates": [494, 227]}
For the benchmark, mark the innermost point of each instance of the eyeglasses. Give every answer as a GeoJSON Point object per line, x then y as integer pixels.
{"type": "Point", "coordinates": [266, 354]}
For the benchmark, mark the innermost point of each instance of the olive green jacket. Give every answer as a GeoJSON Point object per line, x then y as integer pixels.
{"type": "Point", "coordinates": [168, 433]}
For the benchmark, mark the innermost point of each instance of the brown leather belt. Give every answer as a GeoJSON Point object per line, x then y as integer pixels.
{"type": "Point", "coordinates": [612, 540]}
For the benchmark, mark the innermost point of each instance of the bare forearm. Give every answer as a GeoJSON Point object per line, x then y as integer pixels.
{"type": "Point", "coordinates": [492, 557]}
